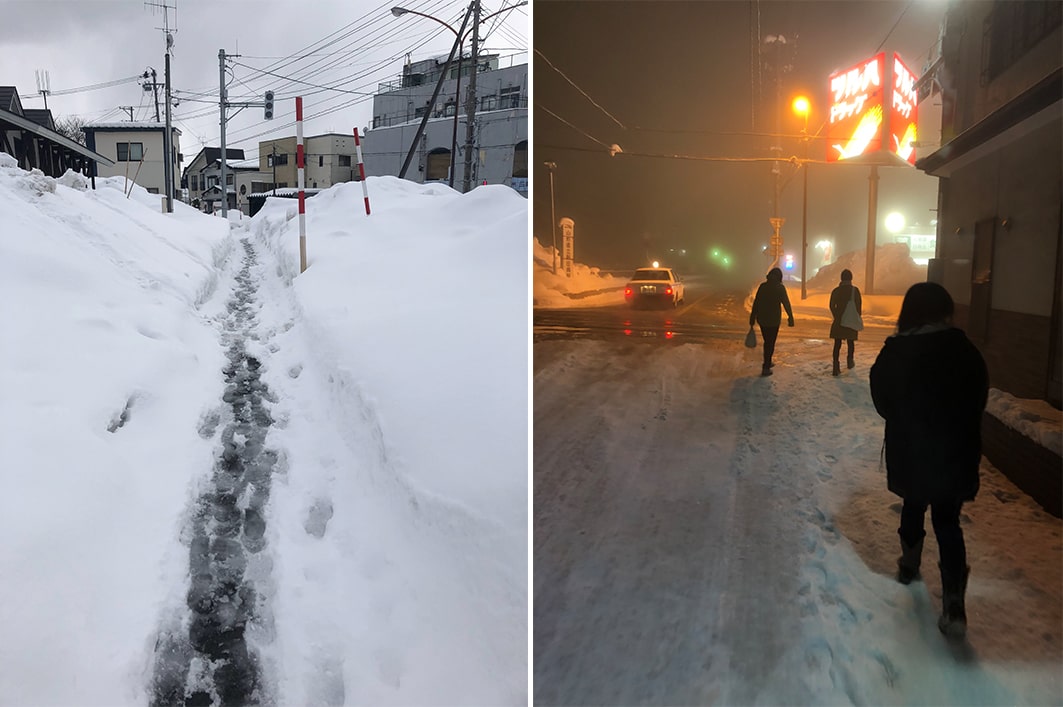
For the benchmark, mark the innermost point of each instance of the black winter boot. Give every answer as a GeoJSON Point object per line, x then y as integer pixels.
{"type": "Point", "coordinates": [837, 369]}
{"type": "Point", "coordinates": [765, 369]}
{"type": "Point", "coordinates": [953, 621]}
{"type": "Point", "coordinates": [908, 562]}
{"type": "Point", "coordinates": [850, 363]}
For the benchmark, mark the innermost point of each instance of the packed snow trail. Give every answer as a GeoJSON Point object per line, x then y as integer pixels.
{"type": "Point", "coordinates": [213, 663]}
{"type": "Point", "coordinates": [703, 535]}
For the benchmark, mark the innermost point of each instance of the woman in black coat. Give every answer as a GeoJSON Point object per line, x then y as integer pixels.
{"type": "Point", "coordinates": [765, 311]}
{"type": "Point", "coordinates": [930, 384]}
{"type": "Point", "coordinates": [839, 300]}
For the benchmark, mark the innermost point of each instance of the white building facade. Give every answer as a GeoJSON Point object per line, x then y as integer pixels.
{"type": "Point", "coordinates": [137, 148]}
{"type": "Point", "coordinates": [500, 127]}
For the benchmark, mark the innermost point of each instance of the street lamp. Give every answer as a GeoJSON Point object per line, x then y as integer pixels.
{"type": "Point", "coordinates": [801, 107]}
{"type": "Point", "coordinates": [459, 37]}
{"type": "Point", "coordinates": [399, 12]}
{"type": "Point", "coordinates": [553, 220]}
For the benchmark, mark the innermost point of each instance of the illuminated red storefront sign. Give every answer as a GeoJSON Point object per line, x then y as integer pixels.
{"type": "Point", "coordinates": [872, 113]}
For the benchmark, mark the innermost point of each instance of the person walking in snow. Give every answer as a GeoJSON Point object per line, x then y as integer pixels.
{"type": "Point", "coordinates": [770, 296]}
{"type": "Point", "coordinates": [930, 384]}
{"type": "Point", "coordinates": [840, 297]}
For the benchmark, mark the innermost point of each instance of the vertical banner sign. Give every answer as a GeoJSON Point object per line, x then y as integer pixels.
{"type": "Point", "coordinates": [856, 111]}
{"type": "Point", "coordinates": [300, 168]}
{"type": "Point", "coordinates": [903, 117]}
{"type": "Point", "coordinates": [568, 227]}
{"type": "Point", "coordinates": [361, 169]}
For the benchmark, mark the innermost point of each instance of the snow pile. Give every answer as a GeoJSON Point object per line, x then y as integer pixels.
{"type": "Point", "coordinates": [588, 286]}
{"type": "Point", "coordinates": [1035, 419]}
{"type": "Point", "coordinates": [895, 271]}
{"type": "Point", "coordinates": [395, 560]}
{"type": "Point", "coordinates": [106, 369]}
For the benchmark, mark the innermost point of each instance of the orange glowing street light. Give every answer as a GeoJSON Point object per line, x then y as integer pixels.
{"type": "Point", "coordinates": [802, 106]}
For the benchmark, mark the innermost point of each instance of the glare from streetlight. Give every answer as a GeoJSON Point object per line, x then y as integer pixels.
{"type": "Point", "coordinates": [894, 222]}
{"type": "Point", "coordinates": [801, 106]}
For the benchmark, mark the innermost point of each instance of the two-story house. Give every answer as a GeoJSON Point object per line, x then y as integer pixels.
{"type": "Point", "coordinates": [1000, 198]}
{"type": "Point", "coordinates": [138, 152]}
{"type": "Point", "coordinates": [331, 158]}
{"type": "Point", "coordinates": [194, 182]}
{"type": "Point", "coordinates": [500, 153]}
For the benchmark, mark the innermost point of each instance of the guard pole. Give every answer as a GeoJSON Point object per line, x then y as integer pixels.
{"type": "Point", "coordinates": [300, 164]}
{"type": "Point", "coordinates": [361, 169]}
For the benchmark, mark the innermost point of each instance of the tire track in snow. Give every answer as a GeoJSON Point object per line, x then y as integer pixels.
{"type": "Point", "coordinates": [208, 659]}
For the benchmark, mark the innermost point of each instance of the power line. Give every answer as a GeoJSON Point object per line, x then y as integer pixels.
{"type": "Point", "coordinates": [585, 95]}
{"type": "Point", "coordinates": [579, 130]}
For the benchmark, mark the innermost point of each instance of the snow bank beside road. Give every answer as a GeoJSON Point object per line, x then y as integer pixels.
{"type": "Point", "coordinates": [105, 368]}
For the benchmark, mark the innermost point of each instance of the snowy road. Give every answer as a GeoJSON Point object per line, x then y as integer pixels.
{"type": "Point", "coordinates": [706, 536]}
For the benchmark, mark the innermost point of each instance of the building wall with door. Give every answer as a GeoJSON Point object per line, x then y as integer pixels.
{"type": "Point", "coordinates": [1000, 211]}
{"type": "Point", "coordinates": [1001, 187]}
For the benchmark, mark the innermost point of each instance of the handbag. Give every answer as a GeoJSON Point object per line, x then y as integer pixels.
{"type": "Point", "coordinates": [751, 339]}
{"type": "Point", "coordinates": [851, 319]}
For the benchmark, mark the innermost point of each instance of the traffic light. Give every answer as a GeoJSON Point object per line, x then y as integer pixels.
{"type": "Point", "coordinates": [268, 105]}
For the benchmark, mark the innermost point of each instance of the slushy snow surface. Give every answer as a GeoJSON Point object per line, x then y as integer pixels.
{"type": "Point", "coordinates": [707, 536]}
{"type": "Point", "coordinates": [392, 568]}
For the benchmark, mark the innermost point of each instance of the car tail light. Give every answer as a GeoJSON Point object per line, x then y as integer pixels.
{"type": "Point", "coordinates": [668, 291]}
{"type": "Point", "coordinates": [627, 292]}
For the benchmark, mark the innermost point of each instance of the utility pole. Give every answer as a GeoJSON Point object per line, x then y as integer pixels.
{"type": "Point", "coordinates": [168, 137]}
{"type": "Point", "coordinates": [130, 111]}
{"type": "Point", "coordinates": [221, 104]}
{"type": "Point", "coordinates": [274, 169]}
{"type": "Point", "coordinates": [470, 105]}
{"type": "Point", "coordinates": [154, 85]}
{"type": "Point", "coordinates": [553, 218]}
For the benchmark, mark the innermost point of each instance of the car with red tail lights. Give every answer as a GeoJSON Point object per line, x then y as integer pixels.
{"type": "Point", "coordinates": [654, 286]}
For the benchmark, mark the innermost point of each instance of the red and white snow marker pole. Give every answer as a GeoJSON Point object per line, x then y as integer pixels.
{"type": "Point", "coordinates": [300, 163]}
{"type": "Point", "coordinates": [361, 169]}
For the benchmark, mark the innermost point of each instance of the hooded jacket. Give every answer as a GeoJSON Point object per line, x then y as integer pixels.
{"type": "Point", "coordinates": [931, 385]}
{"type": "Point", "coordinates": [770, 296]}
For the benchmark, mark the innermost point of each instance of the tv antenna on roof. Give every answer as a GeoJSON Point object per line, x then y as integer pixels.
{"type": "Point", "coordinates": [44, 85]}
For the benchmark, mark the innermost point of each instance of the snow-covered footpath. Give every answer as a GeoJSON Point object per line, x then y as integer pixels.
{"type": "Point", "coordinates": [340, 456]}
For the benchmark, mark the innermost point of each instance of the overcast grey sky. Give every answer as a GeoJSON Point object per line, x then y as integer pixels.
{"type": "Point", "coordinates": [346, 49]}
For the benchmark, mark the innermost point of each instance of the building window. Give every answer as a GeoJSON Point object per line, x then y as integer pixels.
{"type": "Point", "coordinates": [320, 160]}
{"type": "Point", "coordinates": [212, 181]}
{"type": "Point", "coordinates": [228, 179]}
{"type": "Point", "coordinates": [438, 164]}
{"type": "Point", "coordinates": [193, 183]}
{"type": "Point", "coordinates": [510, 97]}
{"type": "Point", "coordinates": [153, 190]}
{"type": "Point", "coordinates": [130, 151]}
{"type": "Point", "coordinates": [520, 159]}
{"type": "Point", "coordinates": [345, 160]}
{"type": "Point", "coordinates": [276, 160]}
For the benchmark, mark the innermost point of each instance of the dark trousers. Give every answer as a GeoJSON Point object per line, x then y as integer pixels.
{"type": "Point", "coordinates": [838, 348]}
{"type": "Point", "coordinates": [945, 518]}
{"type": "Point", "coordinates": [769, 334]}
